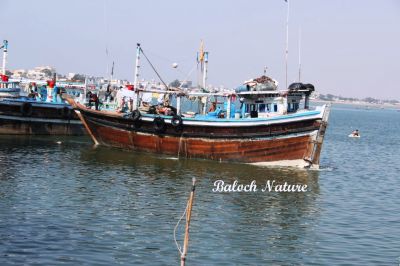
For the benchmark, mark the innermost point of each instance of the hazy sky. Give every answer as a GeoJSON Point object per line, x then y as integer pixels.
{"type": "Point", "coordinates": [349, 48]}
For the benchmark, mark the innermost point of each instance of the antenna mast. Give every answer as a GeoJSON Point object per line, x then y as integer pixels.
{"type": "Point", "coordinates": [300, 54]}
{"type": "Point", "coordinates": [287, 41]}
{"type": "Point", "coordinates": [106, 34]}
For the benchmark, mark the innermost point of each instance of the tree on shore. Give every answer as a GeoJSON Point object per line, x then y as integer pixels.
{"type": "Point", "coordinates": [78, 77]}
{"type": "Point", "coordinates": [175, 84]}
{"type": "Point", "coordinates": [47, 73]}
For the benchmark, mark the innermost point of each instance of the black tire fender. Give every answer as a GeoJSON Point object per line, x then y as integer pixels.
{"type": "Point", "coordinates": [135, 115]}
{"type": "Point", "coordinates": [159, 125]}
{"type": "Point", "coordinates": [309, 86]}
{"type": "Point", "coordinates": [176, 121]}
{"type": "Point", "coordinates": [26, 109]}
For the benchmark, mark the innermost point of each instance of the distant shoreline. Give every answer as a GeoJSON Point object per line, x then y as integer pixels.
{"type": "Point", "coordinates": [366, 104]}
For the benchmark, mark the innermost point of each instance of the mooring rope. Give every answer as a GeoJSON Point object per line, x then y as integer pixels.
{"type": "Point", "coordinates": [176, 227]}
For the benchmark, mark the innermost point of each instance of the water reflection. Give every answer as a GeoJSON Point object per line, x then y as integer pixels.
{"type": "Point", "coordinates": [120, 206]}
{"type": "Point", "coordinates": [235, 221]}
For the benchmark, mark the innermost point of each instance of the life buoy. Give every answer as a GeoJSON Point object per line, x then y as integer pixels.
{"type": "Point", "coordinates": [177, 122]}
{"type": "Point", "coordinates": [135, 115]}
{"type": "Point", "coordinates": [26, 109]}
{"type": "Point", "coordinates": [159, 125]}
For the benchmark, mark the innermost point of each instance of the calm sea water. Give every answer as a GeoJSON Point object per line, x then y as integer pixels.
{"type": "Point", "coordinates": [73, 204]}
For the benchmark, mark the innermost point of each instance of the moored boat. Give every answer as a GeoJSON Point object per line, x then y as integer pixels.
{"type": "Point", "coordinates": [37, 114]}
{"type": "Point", "coordinates": [24, 116]}
{"type": "Point", "coordinates": [269, 127]}
{"type": "Point", "coordinates": [41, 113]}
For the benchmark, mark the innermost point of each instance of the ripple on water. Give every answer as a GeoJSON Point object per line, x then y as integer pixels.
{"type": "Point", "coordinates": [74, 204]}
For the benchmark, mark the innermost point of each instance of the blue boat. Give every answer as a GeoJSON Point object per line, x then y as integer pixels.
{"type": "Point", "coordinates": [35, 115]}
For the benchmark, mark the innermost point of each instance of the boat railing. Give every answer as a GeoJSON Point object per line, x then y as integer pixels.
{"type": "Point", "coordinates": [9, 85]}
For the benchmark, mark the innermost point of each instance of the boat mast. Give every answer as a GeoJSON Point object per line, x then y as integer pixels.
{"type": "Point", "coordinates": [106, 34]}
{"type": "Point", "coordinates": [287, 41]}
{"type": "Point", "coordinates": [200, 60]}
{"type": "Point", "coordinates": [205, 70]}
{"type": "Point", "coordinates": [205, 79]}
{"type": "Point", "coordinates": [85, 90]}
{"type": "Point", "coordinates": [5, 44]}
{"type": "Point", "coordinates": [300, 54]}
{"type": "Point", "coordinates": [136, 81]}
{"type": "Point", "coordinates": [137, 65]}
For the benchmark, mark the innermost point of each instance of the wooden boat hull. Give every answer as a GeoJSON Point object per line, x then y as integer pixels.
{"type": "Point", "coordinates": [297, 139]}
{"type": "Point", "coordinates": [29, 118]}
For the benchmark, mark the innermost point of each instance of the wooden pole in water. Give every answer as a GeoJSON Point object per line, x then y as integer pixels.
{"type": "Point", "coordinates": [188, 216]}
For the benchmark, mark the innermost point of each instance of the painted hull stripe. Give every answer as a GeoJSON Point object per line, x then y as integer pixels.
{"type": "Point", "coordinates": [250, 138]}
{"type": "Point", "coordinates": [40, 120]}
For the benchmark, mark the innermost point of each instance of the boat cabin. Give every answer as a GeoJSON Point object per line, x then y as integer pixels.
{"type": "Point", "coordinates": [230, 105]}
{"type": "Point", "coordinates": [9, 84]}
{"type": "Point", "coordinates": [9, 88]}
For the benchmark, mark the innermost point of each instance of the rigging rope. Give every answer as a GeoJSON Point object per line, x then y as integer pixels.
{"type": "Point", "coordinates": [154, 69]}
{"type": "Point", "coordinates": [187, 77]}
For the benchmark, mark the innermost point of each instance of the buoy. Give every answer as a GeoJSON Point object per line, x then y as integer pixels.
{"type": "Point", "coordinates": [58, 142]}
{"type": "Point", "coordinates": [175, 65]}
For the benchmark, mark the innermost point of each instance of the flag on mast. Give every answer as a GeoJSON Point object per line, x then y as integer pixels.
{"type": "Point", "coordinates": [201, 54]}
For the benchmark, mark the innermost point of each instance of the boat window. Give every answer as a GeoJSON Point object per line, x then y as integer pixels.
{"type": "Point", "coordinates": [261, 107]}
{"type": "Point", "coordinates": [275, 107]}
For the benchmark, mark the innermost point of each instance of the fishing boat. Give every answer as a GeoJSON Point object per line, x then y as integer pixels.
{"type": "Point", "coordinates": [38, 114]}
{"type": "Point", "coordinates": [268, 127]}
{"type": "Point", "coordinates": [21, 115]}
{"type": "Point", "coordinates": [25, 116]}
